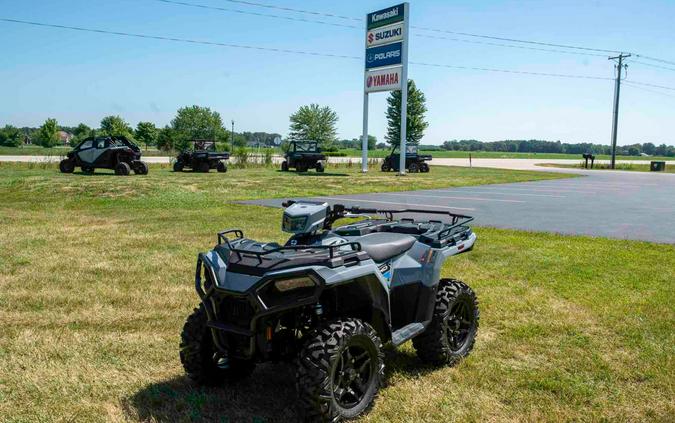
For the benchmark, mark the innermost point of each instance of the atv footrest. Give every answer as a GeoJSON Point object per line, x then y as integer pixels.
{"type": "Point", "coordinates": [230, 328]}
{"type": "Point", "coordinates": [406, 332]}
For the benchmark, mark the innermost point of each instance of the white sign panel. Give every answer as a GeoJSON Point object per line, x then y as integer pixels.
{"type": "Point", "coordinates": [384, 35]}
{"type": "Point", "coordinates": [387, 79]}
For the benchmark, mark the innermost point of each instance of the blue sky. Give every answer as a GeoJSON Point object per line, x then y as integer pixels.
{"type": "Point", "coordinates": [81, 77]}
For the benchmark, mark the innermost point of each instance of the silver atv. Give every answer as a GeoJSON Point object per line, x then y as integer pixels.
{"type": "Point", "coordinates": [328, 300]}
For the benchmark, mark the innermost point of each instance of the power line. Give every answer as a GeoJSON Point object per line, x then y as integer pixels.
{"type": "Point", "coordinates": [289, 9]}
{"type": "Point", "coordinates": [507, 45]}
{"type": "Point", "coordinates": [280, 50]}
{"type": "Point", "coordinates": [652, 85]}
{"type": "Point", "coordinates": [559, 75]}
{"type": "Point", "coordinates": [637, 87]}
{"type": "Point", "coordinates": [246, 12]}
{"type": "Point", "coordinates": [181, 40]}
{"type": "Point", "coordinates": [652, 65]}
{"type": "Point", "coordinates": [655, 59]}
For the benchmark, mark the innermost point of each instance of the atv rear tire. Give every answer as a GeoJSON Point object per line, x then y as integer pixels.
{"type": "Point", "coordinates": [284, 166]}
{"type": "Point", "coordinates": [339, 370]}
{"type": "Point", "coordinates": [424, 168]}
{"type": "Point", "coordinates": [67, 166]}
{"type": "Point", "coordinates": [413, 168]}
{"type": "Point", "coordinates": [319, 167]}
{"type": "Point", "coordinates": [221, 167]}
{"type": "Point", "coordinates": [141, 168]}
{"type": "Point", "coordinates": [122, 169]}
{"type": "Point", "coordinates": [452, 332]}
{"type": "Point", "coordinates": [178, 166]}
{"type": "Point", "coordinates": [199, 355]}
{"type": "Point", "coordinates": [204, 167]}
{"type": "Point", "coordinates": [385, 167]}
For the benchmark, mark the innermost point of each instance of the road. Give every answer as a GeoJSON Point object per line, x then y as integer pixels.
{"type": "Point", "coordinates": [621, 205]}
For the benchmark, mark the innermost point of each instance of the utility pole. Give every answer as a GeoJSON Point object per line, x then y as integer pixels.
{"type": "Point", "coordinates": [232, 136]}
{"type": "Point", "coordinates": [617, 88]}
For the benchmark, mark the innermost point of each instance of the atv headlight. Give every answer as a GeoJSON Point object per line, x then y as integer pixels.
{"type": "Point", "coordinates": [293, 283]}
{"type": "Point", "coordinates": [294, 224]}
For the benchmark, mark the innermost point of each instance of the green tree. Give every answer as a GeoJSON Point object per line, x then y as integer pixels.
{"type": "Point", "coordinates": [415, 124]}
{"type": "Point", "coordinates": [146, 132]}
{"type": "Point", "coordinates": [314, 123]}
{"type": "Point", "coordinates": [81, 132]}
{"type": "Point", "coordinates": [115, 126]}
{"type": "Point", "coordinates": [10, 136]}
{"type": "Point", "coordinates": [47, 135]}
{"type": "Point", "coordinates": [166, 138]}
{"type": "Point", "coordinates": [195, 122]}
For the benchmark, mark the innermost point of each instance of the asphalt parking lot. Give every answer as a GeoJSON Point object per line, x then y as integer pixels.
{"type": "Point", "coordinates": [621, 205]}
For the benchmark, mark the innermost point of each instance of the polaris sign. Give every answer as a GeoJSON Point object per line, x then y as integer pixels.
{"type": "Point", "coordinates": [386, 16]}
{"type": "Point", "coordinates": [386, 55]}
{"type": "Point", "coordinates": [384, 35]}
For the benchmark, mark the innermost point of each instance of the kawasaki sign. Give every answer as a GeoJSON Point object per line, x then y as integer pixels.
{"type": "Point", "coordinates": [386, 16]}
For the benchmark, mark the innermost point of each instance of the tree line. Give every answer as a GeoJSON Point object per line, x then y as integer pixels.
{"type": "Point", "coordinates": [542, 146]}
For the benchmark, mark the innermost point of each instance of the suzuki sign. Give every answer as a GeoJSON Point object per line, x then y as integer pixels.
{"type": "Point", "coordinates": [384, 35]}
{"type": "Point", "coordinates": [386, 79]}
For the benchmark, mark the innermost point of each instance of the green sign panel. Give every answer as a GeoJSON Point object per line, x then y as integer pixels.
{"type": "Point", "coordinates": [386, 16]}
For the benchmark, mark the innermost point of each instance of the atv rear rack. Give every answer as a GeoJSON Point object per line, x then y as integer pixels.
{"type": "Point", "coordinates": [222, 239]}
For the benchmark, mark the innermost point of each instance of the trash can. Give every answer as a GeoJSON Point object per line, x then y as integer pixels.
{"type": "Point", "coordinates": [657, 166]}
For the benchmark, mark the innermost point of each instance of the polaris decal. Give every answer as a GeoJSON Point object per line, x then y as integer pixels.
{"type": "Point", "coordinates": [385, 269]}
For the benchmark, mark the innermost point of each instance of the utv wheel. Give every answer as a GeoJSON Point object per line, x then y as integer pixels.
{"type": "Point", "coordinates": [413, 168]}
{"type": "Point", "coordinates": [67, 166]}
{"type": "Point", "coordinates": [122, 169]}
{"type": "Point", "coordinates": [385, 167]}
{"type": "Point", "coordinates": [319, 167]}
{"type": "Point", "coordinates": [222, 167]}
{"type": "Point", "coordinates": [452, 331]}
{"type": "Point", "coordinates": [424, 168]}
{"type": "Point", "coordinates": [284, 166]}
{"type": "Point", "coordinates": [178, 167]}
{"type": "Point", "coordinates": [141, 168]}
{"type": "Point", "coordinates": [204, 167]}
{"type": "Point", "coordinates": [200, 358]}
{"type": "Point", "coordinates": [339, 370]}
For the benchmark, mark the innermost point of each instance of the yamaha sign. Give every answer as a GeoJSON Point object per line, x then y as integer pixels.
{"type": "Point", "coordinates": [386, 79]}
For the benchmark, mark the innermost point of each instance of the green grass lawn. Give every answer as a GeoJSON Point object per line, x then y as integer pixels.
{"type": "Point", "coordinates": [97, 277]}
{"type": "Point", "coordinates": [606, 166]}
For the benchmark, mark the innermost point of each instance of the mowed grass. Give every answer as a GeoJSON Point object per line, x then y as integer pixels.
{"type": "Point", "coordinates": [97, 278]}
{"type": "Point", "coordinates": [606, 166]}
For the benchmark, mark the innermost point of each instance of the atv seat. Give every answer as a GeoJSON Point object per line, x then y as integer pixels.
{"type": "Point", "coordinates": [381, 246]}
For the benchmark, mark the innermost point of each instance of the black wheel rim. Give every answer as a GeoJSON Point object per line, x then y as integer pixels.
{"type": "Point", "coordinates": [353, 376]}
{"type": "Point", "coordinates": [459, 324]}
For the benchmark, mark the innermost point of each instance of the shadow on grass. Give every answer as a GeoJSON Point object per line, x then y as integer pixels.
{"type": "Point", "coordinates": [267, 396]}
{"type": "Point", "coordinates": [319, 174]}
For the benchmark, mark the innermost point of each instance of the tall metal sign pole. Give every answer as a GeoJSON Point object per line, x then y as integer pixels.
{"type": "Point", "coordinates": [386, 67]}
{"type": "Point", "coordinates": [617, 89]}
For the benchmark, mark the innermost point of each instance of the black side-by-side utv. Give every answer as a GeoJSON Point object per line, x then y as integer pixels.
{"type": "Point", "coordinates": [414, 162]}
{"type": "Point", "coordinates": [201, 158]}
{"type": "Point", "coordinates": [303, 155]}
{"type": "Point", "coordinates": [116, 153]}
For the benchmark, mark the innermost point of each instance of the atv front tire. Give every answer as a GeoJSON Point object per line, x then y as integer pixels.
{"type": "Point", "coordinates": [222, 167]}
{"type": "Point", "coordinates": [339, 370]}
{"type": "Point", "coordinates": [141, 168]}
{"type": "Point", "coordinates": [284, 166]}
{"type": "Point", "coordinates": [413, 168]}
{"type": "Point", "coordinates": [122, 169]}
{"type": "Point", "coordinates": [67, 166]}
{"type": "Point", "coordinates": [452, 332]}
{"type": "Point", "coordinates": [319, 167]}
{"type": "Point", "coordinates": [200, 358]}
{"type": "Point", "coordinates": [178, 167]}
